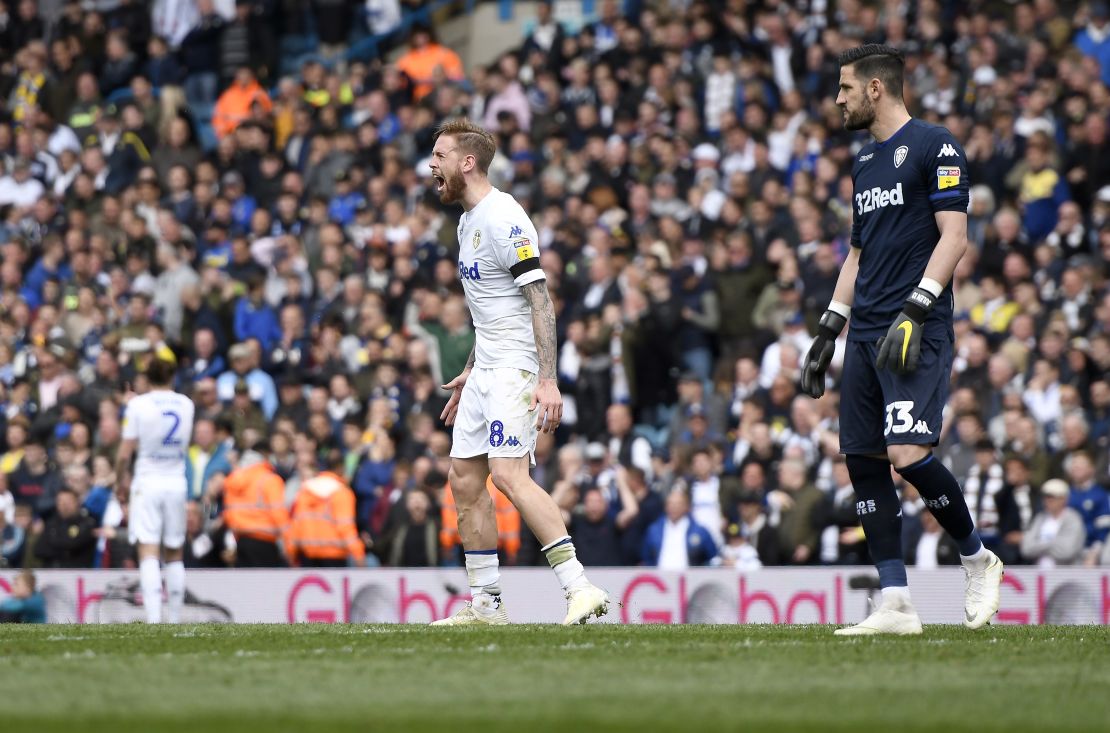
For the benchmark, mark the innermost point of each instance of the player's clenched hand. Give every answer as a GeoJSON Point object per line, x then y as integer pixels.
{"type": "Point", "coordinates": [900, 349]}
{"type": "Point", "coordinates": [452, 407]}
{"type": "Point", "coordinates": [820, 353]}
{"type": "Point", "coordinates": [550, 405]}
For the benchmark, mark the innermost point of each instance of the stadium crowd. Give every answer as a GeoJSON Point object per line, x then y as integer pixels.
{"type": "Point", "coordinates": [169, 191]}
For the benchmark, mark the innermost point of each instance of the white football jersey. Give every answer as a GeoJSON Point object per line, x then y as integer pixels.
{"type": "Point", "coordinates": [499, 253]}
{"type": "Point", "coordinates": [162, 422]}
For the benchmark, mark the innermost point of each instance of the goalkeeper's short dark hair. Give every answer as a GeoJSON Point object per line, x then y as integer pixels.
{"type": "Point", "coordinates": [877, 61]}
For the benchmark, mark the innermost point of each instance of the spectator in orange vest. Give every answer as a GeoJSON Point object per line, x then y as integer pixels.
{"type": "Point", "coordinates": [254, 510]}
{"type": "Point", "coordinates": [322, 533]}
{"type": "Point", "coordinates": [508, 524]}
{"type": "Point", "coordinates": [427, 62]}
{"type": "Point", "coordinates": [234, 105]}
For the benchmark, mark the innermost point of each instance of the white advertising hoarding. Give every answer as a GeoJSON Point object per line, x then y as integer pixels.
{"type": "Point", "coordinates": [835, 595]}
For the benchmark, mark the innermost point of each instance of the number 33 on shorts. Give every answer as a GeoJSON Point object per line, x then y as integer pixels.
{"type": "Point", "coordinates": [899, 419]}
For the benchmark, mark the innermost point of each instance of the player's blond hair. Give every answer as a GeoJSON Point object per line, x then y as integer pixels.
{"type": "Point", "coordinates": [471, 139]}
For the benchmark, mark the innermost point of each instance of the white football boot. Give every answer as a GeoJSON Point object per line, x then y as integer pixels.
{"type": "Point", "coordinates": [484, 610]}
{"type": "Point", "coordinates": [982, 585]}
{"type": "Point", "coordinates": [584, 602]}
{"type": "Point", "coordinates": [894, 615]}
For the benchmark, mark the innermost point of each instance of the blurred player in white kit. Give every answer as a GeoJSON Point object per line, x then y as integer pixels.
{"type": "Point", "coordinates": [157, 427]}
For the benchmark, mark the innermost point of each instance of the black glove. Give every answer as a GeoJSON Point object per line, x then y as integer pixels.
{"type": "Point", "coordinates": [901, 347]}
{"type": "Point", "coordinates": [820, 353]}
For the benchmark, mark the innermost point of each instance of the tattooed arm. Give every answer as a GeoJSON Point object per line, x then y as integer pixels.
{"type": "Point", "coordinates": [543, 324]}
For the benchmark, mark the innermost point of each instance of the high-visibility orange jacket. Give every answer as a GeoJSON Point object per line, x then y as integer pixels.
{"type": "Point", "coordinates": [508, 521]}
{"type": "Point", "coordinates": [234, 106]}
{"type": "Point", "coordinates": [423, 64]}
{"type": "Point", "coordinates": [254, 503]}
{"type": "Point", "coordinates": [323, 524]}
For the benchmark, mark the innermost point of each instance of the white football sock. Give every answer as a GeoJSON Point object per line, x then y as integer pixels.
{"type": "Point", "coordinates": [897, 596]}
{"type": "Point", "coordinates": [979, 558]}
{"type": "Point", "coordinates": [150, 580]}
{"type": "Point", "coordinates": [175, 590]}
{"type": "Point", "coordinates": [564, 561]}
{"type": "Point", "coordinates": [483, 573]}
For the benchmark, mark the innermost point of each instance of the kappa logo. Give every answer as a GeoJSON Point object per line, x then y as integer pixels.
{"type": "Point", "coordinates": [512, 441]}
{"type": "Point", "coordinates": [947, 151]}
{"type": "Point", "coordinates": [921, 428]}
{"type": "Point", "coordinates": [900, 156]}
{"type": "Point", "coordinates": [865, 158]}
{"type": "Point", "coordinates": [515, 232]}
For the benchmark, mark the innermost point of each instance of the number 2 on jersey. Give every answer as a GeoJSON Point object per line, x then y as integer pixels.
{"type": "Point", "coordinates": [171, 439]}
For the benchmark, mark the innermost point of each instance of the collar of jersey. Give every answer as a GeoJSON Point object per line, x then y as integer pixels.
{"type": "Point", "coordinates": [879, 145]}
{"type": "Point", "coordinates": [487, 197]}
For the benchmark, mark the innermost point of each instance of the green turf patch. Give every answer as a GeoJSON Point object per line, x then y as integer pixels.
{"type": "Point", "coordinates": [247, 678]}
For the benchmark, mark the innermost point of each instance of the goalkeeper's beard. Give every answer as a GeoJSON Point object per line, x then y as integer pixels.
{"type": "Point", "coordinates": [862, 118]}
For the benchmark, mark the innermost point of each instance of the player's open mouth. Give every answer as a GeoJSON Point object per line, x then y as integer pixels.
{"type": "Point", "coordinates": [439, 181]}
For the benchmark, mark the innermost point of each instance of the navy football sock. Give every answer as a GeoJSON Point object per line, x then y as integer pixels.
{"type": "Point", "coordinates": [880, 513]}
{"type": "Point", "coordinates": [943, 496]}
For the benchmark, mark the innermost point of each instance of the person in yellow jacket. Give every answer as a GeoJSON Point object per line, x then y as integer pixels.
{"type": "Point", "coordinates": [254, 510]}
{"type": "Point", "coordinates": [322, 532]}
{"type": "Point", "coordinates": [995, 310]}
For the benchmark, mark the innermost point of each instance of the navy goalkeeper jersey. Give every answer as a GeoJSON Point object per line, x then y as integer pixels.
{"type": "Point", "coordinates": [899, 185]}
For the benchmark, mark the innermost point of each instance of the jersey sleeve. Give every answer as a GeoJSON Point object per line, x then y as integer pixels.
{"type": "Point", "coordinates": [855, 241]}
{"type": "Point", "coordinates": [856, 213]}
{"type": "Point", "coordinates": [517, 248]}
{"type": "Point", "coordinates": [130, 428]}
{"type": "Point", "coordinates": [945, 171]}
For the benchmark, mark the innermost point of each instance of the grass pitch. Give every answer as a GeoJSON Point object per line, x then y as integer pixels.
{"type": "Point", "coordinates": [203, 679]}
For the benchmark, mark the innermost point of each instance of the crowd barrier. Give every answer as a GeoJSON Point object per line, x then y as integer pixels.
{"type": "Point", "coordinates": [837, 595]}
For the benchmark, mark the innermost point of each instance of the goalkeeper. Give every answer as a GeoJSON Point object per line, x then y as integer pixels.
{"type": "Point", "coordinates": [909, 229]}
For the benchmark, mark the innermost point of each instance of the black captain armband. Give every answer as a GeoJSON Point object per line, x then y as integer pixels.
{"type": "Point", "coordinates": [532, 263]}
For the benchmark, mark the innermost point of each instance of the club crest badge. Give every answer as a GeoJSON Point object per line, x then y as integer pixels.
{"type": "Point", "coordinates": [477, 238]}
{"type": "Point", "coordinates": [900, 156]}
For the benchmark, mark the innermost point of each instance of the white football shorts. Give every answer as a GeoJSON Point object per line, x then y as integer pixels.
{"type": "Point", "coordinates": [157, 511]}
{"type": "Point", "coordinates": [493, 417]}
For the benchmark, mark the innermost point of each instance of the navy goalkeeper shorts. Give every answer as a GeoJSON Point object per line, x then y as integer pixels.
{"type": "Point", "coordinates": [880, 408]}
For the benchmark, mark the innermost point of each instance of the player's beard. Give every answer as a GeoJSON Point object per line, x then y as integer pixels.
{"type": "Point", "coordinates": [453, 188]}
{"type": "Point", "coordinates": [862, 118]}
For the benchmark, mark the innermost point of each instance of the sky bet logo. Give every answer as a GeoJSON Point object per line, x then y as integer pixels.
{"type": "Point", "coordinates": [877, 198]}
{"type": "Point", "coordinates": [468, 273]}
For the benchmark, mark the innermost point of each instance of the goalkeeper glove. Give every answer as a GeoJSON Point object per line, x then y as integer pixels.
{"type": "Point", "coordinates": [820, 353]}
{"type": "Point", "coordinates": [900, 349]}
